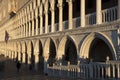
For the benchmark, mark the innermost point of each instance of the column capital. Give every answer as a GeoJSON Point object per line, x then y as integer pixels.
{"type": "Point", "coordinates": [36, 53]}
{"type": "Point", "coordinates": [45, 12]}
{"type": "Point", "coordinates": [69, 1]}
{"type": "Point", "coordinates": [60, 2]}
{"type": "Point", "coordinates": [59, 5]}
{"type": "Point", "coordinates": [52, 9]}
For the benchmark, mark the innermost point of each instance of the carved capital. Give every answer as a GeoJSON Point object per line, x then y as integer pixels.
{"type": "Point", "coordinates": [69, 1]}
{"type": "Point", "coordinates": [59, 5]}
{"type": "Point", "coordinates": [45, 12]}
{"type": "Point", "coordinates": [52, 9]}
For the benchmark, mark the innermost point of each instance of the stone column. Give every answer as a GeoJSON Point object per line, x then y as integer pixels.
{"type": "Point", "coordinates": [98, 12]}
{"type": "Point", "coordinates": [60, 4]}
{"type": "Point", "coordinates": [46, 16]}
{"type": "Point", "coordinates": [29, 28]}
{"type": "Point", "coordinates": [118, 9]}
{"type": "Point", "coordinates": [26, 29]}
{"type": "Point", "coordinates": [29, 58]}
{"type": "Point", "coordinates": [33, 23]}
{"type": "Point", "coordinates": [70, 20]}
{"type": "Point", "coordinates": [36, 61]}
{"type": "Point", "coordinates": [108, 71]}
{"type": "Point", "coordinates": [118, 71]}
{"type": "Point", "coordinates": [24, 26]}
{"type": "Point", "coordinates": [15, 55]}
{"type": "Point", "coordinates": [33, 27]}
{"type": "Point", "coordinates": [12, 54]}
{"type": "Point", "coordinates": [82, 13]}
{"type": "Point", "coordinates": [23, 57]}
{"type": "Point", "coordinates": [19, 56]}
{"type": "Point", "coordinates": [113, 70]}
{"type": "Point", "coordinates": [36, 15]}
{"type": "Point", "coordinates": [53, 15]}
{"type": "Point", "coordinates": [36, 26]}
{"type": "Point", "coordinates": [41, 19]}
{"type": "Point", "coordinates": [45, 63]}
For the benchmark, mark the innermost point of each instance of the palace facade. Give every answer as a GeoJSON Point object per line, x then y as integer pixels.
{"type": "Point", "coordinates": [49, 32]}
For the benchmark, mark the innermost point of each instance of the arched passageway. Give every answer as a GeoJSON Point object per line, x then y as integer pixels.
{"type": "Point", "coordinates": [52, 53]}
{"type": "Point", "coordinates": [97, 47]}
{"type": "Point", "coordinates": [67, 51]}
{"type": "Point", "coordinates": [99, 50]}
{"type": "Point", "coordinates": [70, 52]}
{"type": "Point", "coordinates": [41, 58]}
{"type": "Point", "coordinates": [30, 54]}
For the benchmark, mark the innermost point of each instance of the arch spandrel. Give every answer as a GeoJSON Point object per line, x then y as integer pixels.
{"type": "Point", "coordinates": [85, 47]}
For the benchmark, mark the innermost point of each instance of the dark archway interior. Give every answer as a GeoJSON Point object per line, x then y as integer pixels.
{"type": "Point", "coordinates": [99, 51]}
{"type": "Point", "coordinates": [65, 10]}
{"type": "Point", "coordinates": [70, 52]}
{"type": "Point", "coordinates": [52, 53]}
{"type": "Point", "coordinates": [56, 13]}
{"type": "Point", "coordinates": [41, 58]}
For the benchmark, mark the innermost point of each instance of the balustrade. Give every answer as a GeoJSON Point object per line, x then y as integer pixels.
{"type": "Point", "coordinates": [110, 14]}
{"type": "Point", "coordinates": [93, 70]}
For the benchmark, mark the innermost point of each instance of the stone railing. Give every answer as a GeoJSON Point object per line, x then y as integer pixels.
{"type": "Point", "coordinates": [90, 19]}
{"type": "Point", "coordinates": [56, 27]}
{"type": "Point", "coordinates": [93, 70]}
{"type": "Point", "coordinates": [109, 14]}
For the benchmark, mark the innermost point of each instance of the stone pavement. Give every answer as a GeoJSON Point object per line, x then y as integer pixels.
{"type": "Point", "coordinates": [9, 72]}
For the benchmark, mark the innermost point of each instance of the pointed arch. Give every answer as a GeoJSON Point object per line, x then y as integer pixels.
{"type": "Point", "coordinates": [66, 49]}
{"type": "Point", "coordinates": [85, 48]}
{"type": "Point", "coordinates": [50, 51]}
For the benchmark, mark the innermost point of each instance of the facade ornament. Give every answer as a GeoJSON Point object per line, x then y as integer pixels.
{"type": "Point", "coordinates": [52, 5]}
{"type": "Point", "coordinates": [60, 3]}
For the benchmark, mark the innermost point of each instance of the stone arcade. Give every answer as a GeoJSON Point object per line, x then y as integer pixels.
{"type": "Point", "coordinates": [66, 33]}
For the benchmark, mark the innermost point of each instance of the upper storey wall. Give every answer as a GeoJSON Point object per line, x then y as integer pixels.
{"type": "Point", "coordinates": [8, 8]}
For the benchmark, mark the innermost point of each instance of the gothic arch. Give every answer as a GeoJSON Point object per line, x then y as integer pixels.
{"type": "Point", "coordinates": [85, 48]}
{"type": "Point", "coordinates": [38, 45]}
{"type": "Point", "coordinates": [30, 53]}
{"type": "Point", "coordinates": [50, 51]}
{"type": "Point", "coordinates": [38, 50]}
{"type": "Point", "coordinates": [24, 52]}
{"type": "Point", "coordinates": [24, 47]}
{"type": "Point", "coordinates": [19, 51]}
{"type": "Point", "coordinates": [63, 44]}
